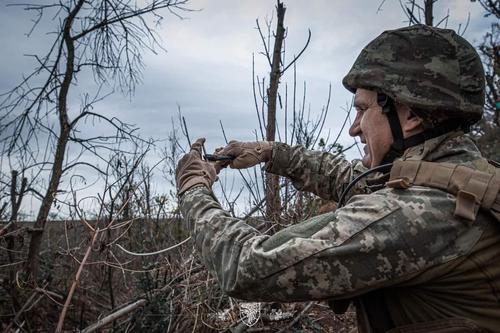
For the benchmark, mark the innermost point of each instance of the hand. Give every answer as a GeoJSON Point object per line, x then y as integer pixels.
{"type": "Point", "coordinates": [247, 154]}
{"type": "Point", "coordinates": [192, 170]}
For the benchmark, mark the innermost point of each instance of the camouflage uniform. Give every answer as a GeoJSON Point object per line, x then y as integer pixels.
{"type": "Point", "coordinates": [402, 254]}
{"type": "Point", "coordinates": [428, 263]}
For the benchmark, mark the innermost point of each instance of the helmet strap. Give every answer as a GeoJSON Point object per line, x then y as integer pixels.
{"type": "Point", "coordinates": [400, 144]}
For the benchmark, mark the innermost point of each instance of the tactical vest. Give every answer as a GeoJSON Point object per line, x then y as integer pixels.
{"type": "Point", "coordinates": [473, 190]}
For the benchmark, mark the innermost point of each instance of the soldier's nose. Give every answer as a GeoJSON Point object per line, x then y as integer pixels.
{"type": "Point", "coordinates": [355, 129]}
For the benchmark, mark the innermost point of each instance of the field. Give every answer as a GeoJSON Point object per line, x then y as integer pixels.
{"type": "Point", "coordinates": [167, 292]}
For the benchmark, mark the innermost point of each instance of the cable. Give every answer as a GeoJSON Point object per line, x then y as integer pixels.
{"type": "Point", "coordinates": [358, 178]}
{"type": "Point", "coordinates": [152, 253]}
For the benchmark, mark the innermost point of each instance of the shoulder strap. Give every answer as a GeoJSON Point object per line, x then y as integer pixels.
{"type": "Point", "coordinates": [473, 189]}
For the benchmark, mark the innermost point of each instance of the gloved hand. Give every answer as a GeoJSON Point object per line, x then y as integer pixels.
{"type": "Point", "coordinates": [247, 154]}
{"type": "Point", "coordinates": [192, 170]}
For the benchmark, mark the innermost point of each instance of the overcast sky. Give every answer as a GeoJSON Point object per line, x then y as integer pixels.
{"type": "Point", "coordinates": [207, 68]}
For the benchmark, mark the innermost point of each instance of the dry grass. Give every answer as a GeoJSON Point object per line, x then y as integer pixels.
{"type": "Point", "coordinates": [178, 292]}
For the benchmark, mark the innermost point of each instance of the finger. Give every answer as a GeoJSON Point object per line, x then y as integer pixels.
{"type": "Point", "coordinates": [233, 148]}
{"type": "Point", "coordinates": [181, 163]}
{"type": "Point", "coordinates": [238, 164]}
{"type": "Point", "coordinates": [219, 165]}
{"type": "Point", "coordinates": [212, 171]}
{"type": "Point", "coordinates": [198, 145]}
{"type": "Point", "coordinates": [244, 161]}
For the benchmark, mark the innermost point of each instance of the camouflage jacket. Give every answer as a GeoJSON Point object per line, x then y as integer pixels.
{"type": "Point", "coordinates": [407, 243]}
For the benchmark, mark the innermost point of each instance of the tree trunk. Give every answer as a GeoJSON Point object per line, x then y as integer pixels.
{"type": "Point", "coordinates": [273, 202]}
{"type": "Point", "coordinates": [62, 141]}
{"type": "Point", "coordinates": [15, 202]}
{"type": "Point", "coordinates": [428, 12]}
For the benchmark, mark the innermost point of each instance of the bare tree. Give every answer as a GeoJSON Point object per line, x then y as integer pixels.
{"type": "Point", "coordinates": [8, 232]}
{"type": "Point", "coordinates": [299, 126]}
{"type": "Point", "coordinates": [429, 4]}
{"type": "Point", "coordinates": [273, 204]}
{"type": "Point", "coordinates": [277, 68]}
{"type": "Point", "coordinates": [492, 7]}
{"type": "Point", "coordinates": [489, 50]}
{"type": "Point", "coordinates": [487, 131]}
{"type": "Point", "coordinates": [105, 38]}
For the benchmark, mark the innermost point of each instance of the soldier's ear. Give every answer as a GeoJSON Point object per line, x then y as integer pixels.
{"type": "Point", "coordinates": [411, 124]}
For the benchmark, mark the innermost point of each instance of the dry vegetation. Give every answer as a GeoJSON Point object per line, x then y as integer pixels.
{"type": "Point", "coordinates": [171, 292]}
{"type": "Point", "coordinates": [127, 265]}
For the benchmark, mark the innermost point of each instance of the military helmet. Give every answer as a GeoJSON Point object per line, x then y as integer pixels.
{"type": "Point", "coordinates": [434, 71]}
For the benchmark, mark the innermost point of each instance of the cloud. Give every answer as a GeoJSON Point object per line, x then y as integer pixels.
{"type": "Point", "coordinates": [207, 68]}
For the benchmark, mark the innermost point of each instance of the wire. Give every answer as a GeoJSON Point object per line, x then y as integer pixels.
{"type": "Point", "coordinates": [152, 253]}
{"type": "Point", "coordinates": [358, 178]}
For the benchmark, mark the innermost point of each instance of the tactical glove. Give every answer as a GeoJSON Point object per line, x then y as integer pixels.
{"type": "Point", "coordinates": [192, 170]}
{"type": "Point", "coordinates": [247, 154]}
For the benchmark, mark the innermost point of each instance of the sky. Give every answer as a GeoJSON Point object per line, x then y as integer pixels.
{"type": "Point", "coordinates": [207, 67]}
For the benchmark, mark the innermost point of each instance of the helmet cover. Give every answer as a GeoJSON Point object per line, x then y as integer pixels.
{"type": "Point", "coordinates": [434, 71]}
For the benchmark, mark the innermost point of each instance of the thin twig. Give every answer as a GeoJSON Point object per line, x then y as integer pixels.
{"type": "Point", "coordinates": [300, 53]}
{"type": "Point", "coordinates": [114, 315]}
{"type": "Point", "coordinates": [185, 130]}
{"type": "Point", "coordinates": [266, 50]}
{"type": "Point", "coordinates": [380, 6]}
{"type": "Point", "coordinates": [26, 305]}
{"type": "Point", "coordinates": [297, 318]}
{"type": "Point", "coordinates": [75, 283]}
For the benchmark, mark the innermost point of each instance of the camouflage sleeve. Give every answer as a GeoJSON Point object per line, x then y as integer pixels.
{"type": "Point", "coordinates": [376, 240]}
{"type": "Point", "coordinates": [321, 173]}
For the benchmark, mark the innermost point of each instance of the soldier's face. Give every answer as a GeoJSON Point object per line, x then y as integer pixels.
{"type": "Point", "coordinates": [372, 127]}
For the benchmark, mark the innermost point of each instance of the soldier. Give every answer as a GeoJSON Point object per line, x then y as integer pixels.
{"type": "Point", "coordinates": [417, 249]}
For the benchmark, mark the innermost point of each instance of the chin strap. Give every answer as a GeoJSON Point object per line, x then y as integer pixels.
{"type": "Point", "coordinates": [400, 144]}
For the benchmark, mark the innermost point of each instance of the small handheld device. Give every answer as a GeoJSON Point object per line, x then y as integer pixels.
{"type": "Point", "coordinates": [212, 157]}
